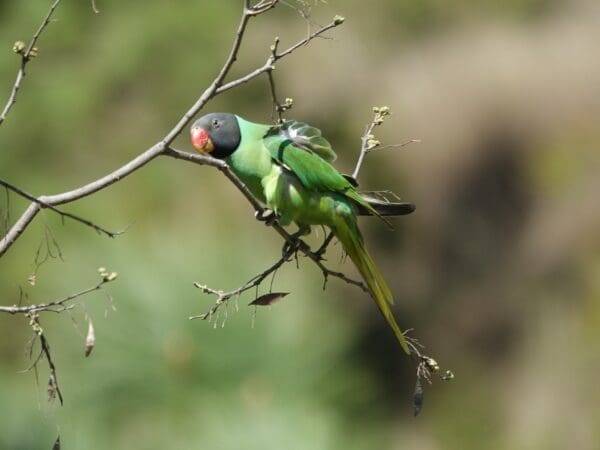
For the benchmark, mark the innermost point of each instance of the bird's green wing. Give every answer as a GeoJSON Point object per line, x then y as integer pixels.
{"type": "Point", "coordinates": [301, 158]}
{"type": "Point", "coordinates": [306, 156]}
{"type": "Point", "coordinates": [307, 137]}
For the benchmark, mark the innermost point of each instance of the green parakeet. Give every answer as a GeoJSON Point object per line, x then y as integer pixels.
{"type": "Point", "coordinates": [288, 168]}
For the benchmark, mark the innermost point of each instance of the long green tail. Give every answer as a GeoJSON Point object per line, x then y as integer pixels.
{"type": "Point", "coordinates": [349, 235]}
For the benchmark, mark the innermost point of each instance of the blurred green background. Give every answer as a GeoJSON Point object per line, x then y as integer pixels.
{"type": "Point", "coordinates": [498, 270]}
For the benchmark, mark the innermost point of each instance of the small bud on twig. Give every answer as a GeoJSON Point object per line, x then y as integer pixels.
{"type": "Point", "coordinates": [106, 276]}
{"type": "Point", "coordinates": [35, 325]}
{"type": "Point", "coordinates": [431, 363]}
{"type": "Point", "coordinates": [111, 276]}
{"type": "Point", "coordinates": [19, 47]}
{"type": "Point", "coordinates": [372, 143]}
{"type": "Point", "coordinates": [338, 20]}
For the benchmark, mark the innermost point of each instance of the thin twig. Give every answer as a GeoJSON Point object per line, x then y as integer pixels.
{"type": "Point", "coordinates": [278, 107]}
{"type": "Point", "coordinates": [38, 332]}
{"type": "Point", "coordinates": [63, 214]}
{"type": "Point", "coordinates": [53, 387]}
{"type": "Point", "coordinates": [337, 20]}
{"type": "Point", "coordinates": [364, 147]}
{"type": "Point", "coordinates": [393, 146]}
{"type": "Point", "coordinates": [255, 281]}
{"type": "Point", "coordinates": [26, 56]}
{"type": "Point", "coordinates": [368, 143]}
{"type": "Point", "coordinates": [56, 306]}
{"type": "Point", "coordinates": [224, 297]}
{"type": "Point", "coordinates": [273, 58]}
{"type": "Point", "coordinates": [261, 7]}
{"type": "Point", "coordinates": [6, 215]}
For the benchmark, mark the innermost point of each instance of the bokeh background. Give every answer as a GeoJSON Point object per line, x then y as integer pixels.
{"type": "Point", "coordinates": [498, 270]}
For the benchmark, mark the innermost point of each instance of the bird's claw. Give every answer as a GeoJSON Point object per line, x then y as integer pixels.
{"type": "Point", "coordinates": [291, 247]}
{"type": "Point", "coordinates": [267, 216]}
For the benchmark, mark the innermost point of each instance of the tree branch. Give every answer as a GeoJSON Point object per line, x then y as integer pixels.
{"type": "Point", "coordinates": [26, 56]}
{"type": "Point", "coordinates": [216, 87]}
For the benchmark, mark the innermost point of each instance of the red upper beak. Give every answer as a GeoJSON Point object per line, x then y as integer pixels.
{"type": "Point", "coordinates": [199, 138]}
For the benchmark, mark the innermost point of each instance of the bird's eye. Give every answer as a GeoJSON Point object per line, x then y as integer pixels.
{"type": "Point", "coordinates": [215, 122]}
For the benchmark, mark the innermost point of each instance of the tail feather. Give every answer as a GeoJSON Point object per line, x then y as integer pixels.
{"type": "Point", "coordinates": [384, 208]}
{"type": "Point", "coordinates": [350, 237]}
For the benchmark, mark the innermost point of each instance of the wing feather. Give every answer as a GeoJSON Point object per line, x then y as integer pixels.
{"type": "Point", "coordinates": [301, 157]}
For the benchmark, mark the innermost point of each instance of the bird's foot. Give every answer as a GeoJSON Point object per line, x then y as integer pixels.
{"type": "Point", "coordinates": [292, 246]}
{"type": "Point", "coordinates": [267, 216]}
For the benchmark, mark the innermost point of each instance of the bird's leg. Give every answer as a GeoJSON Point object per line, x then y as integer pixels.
{"type": "Point", "coordinates": [267, 216]}
{"type": "Point", "coordinates": [323, 248]}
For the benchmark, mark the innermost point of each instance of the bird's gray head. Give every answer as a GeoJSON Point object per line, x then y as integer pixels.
{"type": "Point", "coordinates": [216, 133]}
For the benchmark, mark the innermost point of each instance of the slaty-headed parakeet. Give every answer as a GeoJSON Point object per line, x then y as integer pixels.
{"type": "Point", "coordinates": [288, 168]}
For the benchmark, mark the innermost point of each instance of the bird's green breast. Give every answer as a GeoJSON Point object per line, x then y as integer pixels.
{"type": "Point", "coordinates": [292, 202]}
{"type": "Point", "coordinates": [251, 162]}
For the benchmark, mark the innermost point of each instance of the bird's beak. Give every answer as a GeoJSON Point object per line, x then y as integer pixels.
{"type": "Point", "coordinates": [201, 140]}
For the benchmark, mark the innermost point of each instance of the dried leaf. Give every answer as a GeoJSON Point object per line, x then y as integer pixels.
{"type": "Point", "coordinates": [90, 339]}
{"type": "Point", "coordinates": [52, 388]}
{"type": "Point", "coordinates": [418, 397]}
{"type": "Point", "coordinates": [268, 299]}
